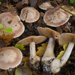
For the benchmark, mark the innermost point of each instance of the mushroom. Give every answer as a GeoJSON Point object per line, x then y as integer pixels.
{"type": "Point", "coordinates": [11, 20]}
{"type": "Point", "coordinates": [32, 40]}
{"type": "Point", "coordinates": [10, 57]}
{"type": "Point", "coordinates": [69, 9]}
{"type": "Point", "coordinates": [56, 17]}
{"type": "Point", "coordinates": [46, 6]}
{"type": "Point", "coordinates": [29, 14]}
{"type": "Point", "coordinates": [65, 38]}
{"type": "Point", "coordinates": [49, 53]}
{"type": "Point", "coordinates": [22, 3]}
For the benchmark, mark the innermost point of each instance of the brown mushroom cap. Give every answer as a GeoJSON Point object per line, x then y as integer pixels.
{"type": "Point", "coordinates": [10, 57]}
{"type": "Point", "coordinates": [46, 5]}
{"type": "Point", "coordinates": [36, 39]}
{"type": "Point", "coordinates": [66, 38]}
{"type": "Point", "coordinates": [29, 14]}
{"type": "Point", "coordinates": [13, 21]}
{"type": "Point", "coordinates": [48, 32]}
{"type": "Point", "coordinates": [57, 18]}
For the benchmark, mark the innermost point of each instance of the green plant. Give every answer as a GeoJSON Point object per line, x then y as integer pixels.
{"type": "Point", "coordinates": [20, 46]}
{"type": "Point", "coordinates": [62, 51]}
{"type": "Point", "coordinates": [72, 1]}
{"type": "Point", "coordinates": [7, 29]}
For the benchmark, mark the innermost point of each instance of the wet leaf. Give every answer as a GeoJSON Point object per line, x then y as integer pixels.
{"type": "Point", "coordinates": [41, 49]}
{"type": "Point", "coordinates": [20, 46]}
{"type": "Point", "coordinates": [60, 55]}
{"type": "Point", "coordinates": [62, 52]}
{"type": "Point", "coordinates": [44, 45]}
{"type": "Point", "coordinates": [65, 46]}
{"type": "Point", "coordinates": [25, 59]}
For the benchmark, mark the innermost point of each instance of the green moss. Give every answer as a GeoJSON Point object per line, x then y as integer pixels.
{"type": "Point", "coordinates": [8, 30]}
{"type": "Point", "coordinates": [20, 46]}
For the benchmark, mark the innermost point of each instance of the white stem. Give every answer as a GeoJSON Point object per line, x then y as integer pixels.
{"type": "Point", "coordinates": [57, 63]}
{"type": "Point", "coordinates": [67, 53]}
{"type": "Point", "coordinates": [32, 50]}
{"type": "Point", "coordinates": [50, 49]}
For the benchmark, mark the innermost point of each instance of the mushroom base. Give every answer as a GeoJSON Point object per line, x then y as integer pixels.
{"type": "Point", "coordinates": [47, 65]}
{"type": "Point", "coordinates": [35, 63]}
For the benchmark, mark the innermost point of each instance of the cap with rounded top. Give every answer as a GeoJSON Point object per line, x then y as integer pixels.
{"type": "Point", "coordinates": [46, 5]}
{"type": "Point", "coordinates": [56, 18]}
{"type": "Point", "coordinates": [12, 20]}
{"type": "Point", "coordinates": [29, 14]}
{"type": "Point", "coordinates": [10, 57]}
{"type": "Point", "coordinates": [36, 39]}
{"type": "Point", "coordinates": [66, 38]}
{"type": "Point", "coordinates": [48, 32]}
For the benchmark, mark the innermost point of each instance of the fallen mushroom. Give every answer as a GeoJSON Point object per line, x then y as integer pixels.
{"type": "Point", "coordinates": [46, 6]}
{"type": "Point", "coordinates": [65, 38]}
{"type": "Point", "coordinates": [56, 17]}
{"type": "Point", "coordinates": [10, 20]}
{"type": "Point", "coordinates": [32, 40]}
{"type": "Point", "coordinates": [49, 53]}
{"type": "Point", "coordinates": [69, 9]}
{"type": "Point", "coordinates": [29, 14]}
{"type": "Point", "coordinates": [10, 57]}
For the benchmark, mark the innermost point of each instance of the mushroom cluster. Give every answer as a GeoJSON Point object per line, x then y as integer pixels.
{"type": "Point", "coordinates": [65, 38]}
{"type": "Point", "coordinates": [51, 63]}
{"type": "Point", "coordinates": [49, 55]}
{"type": "Point", "coordinates": [11, 57]}
{"type": "Point", "coordinates": [32, 40]}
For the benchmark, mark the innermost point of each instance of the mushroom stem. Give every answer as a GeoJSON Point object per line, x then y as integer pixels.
{"type": "Point", "coordinates": [50, 49]}
{"type": "Point", "coordinates": [32, 50]}
{"type": "Point", "coordinates": [10, 72]}
{"type": "Point", "coordinates": [67, 53]}
{"type": "Point", "coordinates": [48, 56]}
{"type": "Point", "coordinates": [34, 59]}
{"type": "Point", "coordinates": [58, 63]}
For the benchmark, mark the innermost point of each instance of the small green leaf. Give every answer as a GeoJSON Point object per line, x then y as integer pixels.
{"type": "Point", "coordinates": [1, 26]}
{"type": "Point", "coordinates": [72, 1]}
{"type": "Point", "coordinates": [60, 55]}
{"type": "Point", "coordinates": [18, 72]}
{"type": "Point", "coordinates": [41, 49]}
{"type": "Point", "coordinates": [9, 30]}
{"type": "Point", "coordinates": [65, 46]}
{"type": "Point", "coordinates": [20, 46]}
